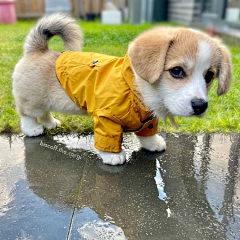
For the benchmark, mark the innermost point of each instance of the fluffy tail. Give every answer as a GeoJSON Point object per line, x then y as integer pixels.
{"type": "Point", "coordinates": [56, 24]}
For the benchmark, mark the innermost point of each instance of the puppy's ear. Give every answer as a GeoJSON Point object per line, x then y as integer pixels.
{"type": "Point", "coordinates": [148, 53]}
{"type": "Point", "coordinates": [225, 71]}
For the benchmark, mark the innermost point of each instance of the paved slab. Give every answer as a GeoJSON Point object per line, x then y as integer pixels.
{"type": "Point", "coordinates": [36, 199]}
{"type": "Point", "coordinates": [55, 187]}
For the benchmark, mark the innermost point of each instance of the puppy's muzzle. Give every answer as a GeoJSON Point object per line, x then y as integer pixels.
{"type": "Point", "coordinates": [199, 106]}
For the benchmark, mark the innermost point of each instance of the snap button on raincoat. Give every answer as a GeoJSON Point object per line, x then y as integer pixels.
{"type": "Point", "coordinates": [103, 87]}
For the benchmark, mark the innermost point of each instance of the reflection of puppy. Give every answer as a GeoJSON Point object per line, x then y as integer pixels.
{"type": "Point", "coordinates": [166, 71]}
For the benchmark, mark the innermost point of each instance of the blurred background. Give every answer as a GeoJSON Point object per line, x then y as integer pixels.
{"type": "Point", "coordinates": [220, 13]}
{"type": "Point", "coordinates": [217, 16]}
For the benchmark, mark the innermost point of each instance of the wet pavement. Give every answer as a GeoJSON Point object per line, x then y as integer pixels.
{"type": "Point", "coordinates": [55, 187]}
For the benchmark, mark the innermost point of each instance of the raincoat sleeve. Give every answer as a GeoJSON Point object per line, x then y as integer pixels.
{"type": "Point", "coordinates": [150, 128]}
{"type": "Point", "coordinates": [107, 133]}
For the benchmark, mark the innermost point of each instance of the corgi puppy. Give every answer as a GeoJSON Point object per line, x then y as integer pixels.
{"type": "Point", "coordinates": [166, 72]}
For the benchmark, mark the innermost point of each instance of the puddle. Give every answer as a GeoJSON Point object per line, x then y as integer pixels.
{"type": "Point", "coordinates": [55, 187]}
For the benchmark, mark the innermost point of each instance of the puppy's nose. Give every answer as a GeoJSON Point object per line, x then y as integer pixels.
{"type": "Point", "coordinates": [199, 106]}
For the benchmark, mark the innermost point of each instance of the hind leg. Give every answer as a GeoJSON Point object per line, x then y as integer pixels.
{"type": "Point", "coordinates": [48, 121]}
{"type": "Point", "coordinates": [30, 126]}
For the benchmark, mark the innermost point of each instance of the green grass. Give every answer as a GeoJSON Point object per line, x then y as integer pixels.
{"type": "Point", "coordinates": [223, 114]}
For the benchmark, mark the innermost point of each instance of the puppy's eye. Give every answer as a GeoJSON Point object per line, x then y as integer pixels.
{"type": "Point", "coordinates": [177, 72]}
{"type": "Point", "coordinates": [209, 76]}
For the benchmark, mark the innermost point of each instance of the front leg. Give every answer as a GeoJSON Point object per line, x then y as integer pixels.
{"type": "Point", "coordinates": [153, 143]}
{"type": "Point", "coordinates": [108, 135]}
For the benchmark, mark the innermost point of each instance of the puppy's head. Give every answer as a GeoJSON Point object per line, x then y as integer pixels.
{"type": "Point", "coordinates": [174, 69]}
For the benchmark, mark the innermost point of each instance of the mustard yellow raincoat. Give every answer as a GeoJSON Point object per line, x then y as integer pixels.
{"type": "Point", "coordinates": [103, 86]}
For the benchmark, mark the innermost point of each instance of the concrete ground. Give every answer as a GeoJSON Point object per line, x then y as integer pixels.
{"type": "Point", "coordinates": [55, 187]}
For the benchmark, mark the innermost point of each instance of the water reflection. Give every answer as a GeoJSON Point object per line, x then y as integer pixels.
{"type": "Point", "coordinates": [160, 186]}
{"type": "Point", "coordinates": [199, 183]}
{"type": "Point", "coordinates": [207, 173]}
{"type": "Point", "coordinates": [89, 226]}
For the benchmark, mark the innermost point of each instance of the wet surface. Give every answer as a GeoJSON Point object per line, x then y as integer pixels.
{"type": "Point", "coordinates": [55, 187]}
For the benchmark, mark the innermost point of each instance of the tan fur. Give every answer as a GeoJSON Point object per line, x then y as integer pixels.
{"type": "Point", "coordinates": [183, 52]}
{"type": "Point", "coordinates": [148, 52]}
{"type": "Point", "coordinates": [225, 71]}
{"type": "Point", "coordinates": [39, 89]}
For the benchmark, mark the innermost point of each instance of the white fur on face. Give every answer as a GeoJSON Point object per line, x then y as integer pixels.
{"type": "Point", "coordinates": [178, 102]}
{"type": "Point", "coordinates": [152, 96]}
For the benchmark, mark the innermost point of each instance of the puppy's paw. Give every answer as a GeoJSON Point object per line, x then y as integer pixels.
{"type": "Point", "coordinates": [55, 123]}
{"type": "Point", "coordinates": [112, 158]}
{"type": "Point", "coordinates": [33, 132]}
{"type": "Point", "coordinates": [30, 126]}
{"type": "Point", "coordinates": [153, 143]}
{"type": "Point", "coordinates": [48, 121]}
